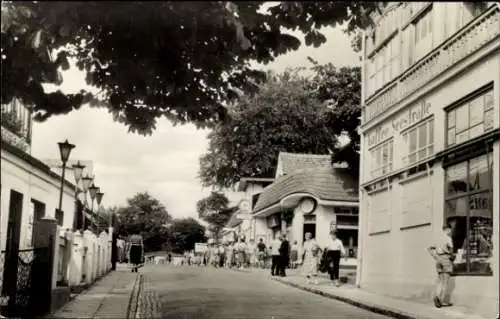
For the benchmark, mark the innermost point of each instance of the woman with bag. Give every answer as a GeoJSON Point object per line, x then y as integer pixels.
{"type": "Point", "coordinates": [310, 258]}
{"type": "Point", "coordinates": [136, 252]}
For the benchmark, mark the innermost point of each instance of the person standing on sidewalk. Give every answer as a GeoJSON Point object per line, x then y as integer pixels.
{"type": "Point", "coordinates": [136, 251]}
{"type": "Point", "coordinates": [275, 254]}
{"type": "Point", "coordinates": [284, 256]}
{"type": "Point", "coordinates": [443, 254]}
{"type": "Point", "coordinates": [294, 254]}
{"type": "Point", "coordinates": [261, 253]}
{"type": "Point", "coordinates": [334, 251]}
{"type": "Point", "coordinates": [310, 258]}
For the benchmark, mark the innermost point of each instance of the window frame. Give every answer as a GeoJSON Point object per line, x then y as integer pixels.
{"type": "Point", "coordinates": [384, 168]}
{"type": "Point", "coordinates": [466, 102]}
{"type": "Point", "coordinates": [428, 147]}
{"type": "Point", "coordinates": [467, 195]}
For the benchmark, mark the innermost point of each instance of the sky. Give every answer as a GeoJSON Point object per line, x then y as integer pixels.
{"type": "Point", "coordinates": [166, 163]}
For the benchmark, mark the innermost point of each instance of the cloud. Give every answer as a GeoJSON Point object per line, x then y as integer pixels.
{"type": "Point", "coordinates": [166, 163]}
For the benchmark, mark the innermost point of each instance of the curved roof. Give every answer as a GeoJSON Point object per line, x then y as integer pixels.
{"type": "Point", "coordinates": [331, 183]}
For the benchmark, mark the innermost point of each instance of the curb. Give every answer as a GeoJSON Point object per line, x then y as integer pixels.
{"type": "Point", "coordinates": [134, 298]}
{"type": "Point", "coordinates": [373, 308]}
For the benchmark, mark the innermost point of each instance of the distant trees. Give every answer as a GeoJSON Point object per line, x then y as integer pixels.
{"type": "Point", "coordinates": [215, 210]}
{"type": "Point", "coordinates": [147, 216]}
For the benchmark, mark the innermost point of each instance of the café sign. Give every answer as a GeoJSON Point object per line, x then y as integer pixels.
{"type": "Point", "coordinates": [399, 123]}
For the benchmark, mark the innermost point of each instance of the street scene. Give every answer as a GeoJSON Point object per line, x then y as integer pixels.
{"type": "Point", "coordinates": [225, 159]}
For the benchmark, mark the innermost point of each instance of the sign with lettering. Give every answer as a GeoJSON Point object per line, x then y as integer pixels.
{"type": "Point", "coordinates": [412, 116]}
{"type": "Point", "coordinates": [406, 119]}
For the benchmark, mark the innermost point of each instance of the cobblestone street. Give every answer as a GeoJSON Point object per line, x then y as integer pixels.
{"type": "Point", "coordinates": [206, 293]}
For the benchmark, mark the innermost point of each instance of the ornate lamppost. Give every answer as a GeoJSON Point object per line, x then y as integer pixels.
{"type": "Point", "coordinates": [77, 172]}
{"type": "Point", "coordinates": [93, 190]}
{"type": "Point", "coordinates": [86, 182]}
{"type": "Point", "coordinates": [98, 197]}
{"type": "Point", "coordinates": [64, 149]}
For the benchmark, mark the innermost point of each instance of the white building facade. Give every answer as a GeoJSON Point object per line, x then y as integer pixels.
{"type": "Point", "coordinates": [430, 149]}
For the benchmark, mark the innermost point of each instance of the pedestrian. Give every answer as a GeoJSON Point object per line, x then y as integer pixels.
{"type": "Point", "coordinates": [442, 252]}
{"type": "Point", "coordinates": [275, 254]}
{"type": "Point", "coordinates": [334, 251]}
{"type": "Point", "coordinates": [169, 258]}
{"type": "Point", "coordinates": [261, 253]}
{"type": "Point", "coordinates": [284, 256]}
{"type": "Point", "coordinates": [310, 258]}
{"type": "Point", "coordinates": [294, 254]}
{"type": "Point", "coordinates": [136, 252]}
{"type": "Point", "coordinates": [221, 256]}
{"type": "Point", "coordinates": [241, 252]}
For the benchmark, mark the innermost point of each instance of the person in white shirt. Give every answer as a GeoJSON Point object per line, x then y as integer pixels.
{"type": "Point", "coordinates": [275, 254]}
{"type": "Point", "coordinates": [444, 256]}
{"type": "Point", "coordinates": [334, 251]}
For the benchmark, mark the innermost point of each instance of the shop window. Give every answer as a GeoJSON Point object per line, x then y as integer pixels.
{"type": "Point", "coordinates": [419, 142]}
{"type": "Point", "coordinates": [469, 209]}
{"type": "Point", "coordinates": [471, 119]}
{"type": "Point", "coordinates": [382, 158]}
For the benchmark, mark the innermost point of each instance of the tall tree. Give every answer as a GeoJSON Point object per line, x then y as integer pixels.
{"type": "Point", "coordinates": [181, 60]}
{"type": "Point", "coordinates": [340, 90]}
{"type": "Point", "coordinates": [215, 210]}
{"type": "Point", "coordinates": [290, 113]}
{"type": "Point", "coordinates": [145, 215]}
{"type": "Point", "coordinates": [184, 233]}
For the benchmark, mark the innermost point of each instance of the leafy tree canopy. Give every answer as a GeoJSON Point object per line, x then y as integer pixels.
{"type": "Point", "coordinates": [184, 233]}
{"type": "Point", "coordinates": [290, 113]}
{"type": "Point", "coordinates": [215, 210]}
{"type": "Point", "coordinates": [181, 60]}
{"type": "Point", "coordinates": [145, 215]}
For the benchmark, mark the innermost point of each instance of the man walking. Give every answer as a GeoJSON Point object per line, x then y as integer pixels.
{"type": "Point", "coordinates": [443, 254]}
{"type": "Point", "coordinates": [275, 255]}
{"type": "Point", "coordinates": [284, 256]}
{"type": "Point", "coordinates": [261, 253]}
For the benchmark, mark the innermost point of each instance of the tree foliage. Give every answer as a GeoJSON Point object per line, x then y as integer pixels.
{"type": "Point", "coordinates": [181, 60]}
{"type": "Point", "coordinates": [145, 215]}
{"type": "Point", "coordinates": [184, 233]}
{"type": "Point", "coordinates": [215, 210]}
{"type": "Point", "coordinates": [290, 113]}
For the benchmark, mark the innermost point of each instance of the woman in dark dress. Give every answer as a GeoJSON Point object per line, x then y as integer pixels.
{"type": "Point", "coordinates": [136, 251]}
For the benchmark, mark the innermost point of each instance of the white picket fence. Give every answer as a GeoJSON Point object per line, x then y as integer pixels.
{"type": "Point", "coordinates": [81, 258]}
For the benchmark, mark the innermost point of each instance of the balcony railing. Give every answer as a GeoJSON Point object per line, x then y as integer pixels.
{"type": "Point", "coordinates": [16, 124]}
{"type": "Point", "coordinates": [476, 34]}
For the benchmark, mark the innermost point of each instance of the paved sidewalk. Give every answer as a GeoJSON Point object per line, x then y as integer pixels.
{"type": "Point", "coordinates": [111, 297]}
{"type": "Point", "coordinates": [393, 307]}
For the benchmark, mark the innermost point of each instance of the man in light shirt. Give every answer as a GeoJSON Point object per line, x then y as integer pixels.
{"type": "Point", "coordinates": [334, 251]}
{"type": "Point", "coordinates": [443, 254]}
{"type": "Point", "coordinates": [275, 254]}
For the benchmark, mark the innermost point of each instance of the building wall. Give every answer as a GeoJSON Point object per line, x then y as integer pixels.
{"type": "Point", "coordinates": [402, 215]}
{"type": "Point", "coordinates": [33, 184]}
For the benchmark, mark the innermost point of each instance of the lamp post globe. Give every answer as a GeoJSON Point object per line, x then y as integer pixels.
{"type": "Point", "coordinates": [86, 182]}
{"type": "Point", "coordinates": [65, 149]}
{"type": "Point", "coordinates": [78, 171]}
{"type": "Point", "coordinates": [98, 197]}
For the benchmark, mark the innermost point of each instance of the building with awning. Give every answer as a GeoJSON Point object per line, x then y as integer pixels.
{"type": "Point", "coordinates": [309, 195]}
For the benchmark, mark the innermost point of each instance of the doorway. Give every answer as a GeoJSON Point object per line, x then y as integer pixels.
{"type": "Point", "coordinates": [309, 228]}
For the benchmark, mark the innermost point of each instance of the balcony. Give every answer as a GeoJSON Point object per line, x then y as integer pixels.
{"type": "Point", "coordinates": [16, 125]}
{"type": "Point", "coordinates": [469, 39]}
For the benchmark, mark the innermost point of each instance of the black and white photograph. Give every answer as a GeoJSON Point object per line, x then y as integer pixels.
{"type": "Point", "coordinates": [250, 160]}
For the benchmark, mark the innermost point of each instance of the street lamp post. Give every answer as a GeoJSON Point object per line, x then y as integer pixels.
{"type": "Point", "coordinates": [65, 149]}
{"type": "Point", "coordinates": [93, 190]}
{"type": "Point", "coordinates": [77, 171]}
{"type": "Point", "coordinates": [98, 197]}
{"type": "Point", "coordinates": [86, 182]}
